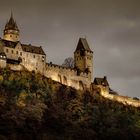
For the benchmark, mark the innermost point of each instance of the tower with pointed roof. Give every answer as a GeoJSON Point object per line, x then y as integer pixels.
{"type": "Point", "coordinates": [83, 58]}
{"type": "Point", "coordinates": [11, 31]}
{"type": "Point", "coordinates": [19, 56]}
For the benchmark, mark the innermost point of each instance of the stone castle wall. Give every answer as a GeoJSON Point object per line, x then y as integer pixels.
{"type": "Point", "coordinates": [67, 76]}
{"type": "Point", "coordinates": [122, 99]}
{"type": "Point", "coordinates": [2, 63]}
{"type": "Point", "coordinates": [31, 61]}
{"type": "Point", "coordinates": [16, 67]}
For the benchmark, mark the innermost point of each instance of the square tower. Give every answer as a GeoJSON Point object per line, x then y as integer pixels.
{"type": "Point", "coordinates": [83, 58]}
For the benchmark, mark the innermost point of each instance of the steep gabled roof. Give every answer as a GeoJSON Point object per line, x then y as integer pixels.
{"type": "Point", "coordinates": [9, 44]}
{"type": "Point", "coordinates": [101, 81]}
{"type": "Point", "coordinates": [83, 45]}
{"type": "Point", "coordinates": [25, 47]}
{"type": "Point", "coordinates": [32, 49]}
{"type": "Point", "coordinates": [11, 24]}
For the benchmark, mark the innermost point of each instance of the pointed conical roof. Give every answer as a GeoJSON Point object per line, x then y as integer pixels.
{"type": "Point", "coordinates": [83, 45]}
{"type": "Point", "coordinates": [11, 24]}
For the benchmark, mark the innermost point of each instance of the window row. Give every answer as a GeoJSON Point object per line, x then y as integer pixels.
{"type": "Point", "coordinates": [20, 53]}
{"type": "Point", "coordinates": [12, 51]}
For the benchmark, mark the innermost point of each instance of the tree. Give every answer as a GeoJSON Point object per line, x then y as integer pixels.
{"type": "Point", "coordinates": [68, 62]}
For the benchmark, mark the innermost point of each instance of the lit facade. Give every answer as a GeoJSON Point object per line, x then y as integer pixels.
{"type": "Point", "coordinates": [20, 56]}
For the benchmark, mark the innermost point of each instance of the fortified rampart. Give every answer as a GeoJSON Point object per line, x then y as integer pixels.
{"type": "Point", "coordinates": [20, 56]}
{"type": "Point", "coordinates": [67, 76]}
{"type": "Point", "coordinates": [122, 99]}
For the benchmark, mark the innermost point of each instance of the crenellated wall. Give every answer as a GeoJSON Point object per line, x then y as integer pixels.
{"type": "Point", "coordinates": [122, 99]}
{"type": "Point", "coordinates": [67, 76]}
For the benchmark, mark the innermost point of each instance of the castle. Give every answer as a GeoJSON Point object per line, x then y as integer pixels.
{"type": "Point", "coordinates": [17, 56]}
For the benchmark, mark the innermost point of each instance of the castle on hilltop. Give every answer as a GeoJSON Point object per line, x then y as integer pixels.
{"type": "Point", "coordinates": [18, 56]}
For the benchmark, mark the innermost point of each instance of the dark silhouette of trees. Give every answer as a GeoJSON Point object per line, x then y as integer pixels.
{"type": "Point", "coordinates": [33, 107]}
{"type": "Point", "coordinates": [68, 62]}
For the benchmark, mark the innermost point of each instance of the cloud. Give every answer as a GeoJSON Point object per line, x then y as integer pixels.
{"type": "Point", "coordinates": [111, 26]}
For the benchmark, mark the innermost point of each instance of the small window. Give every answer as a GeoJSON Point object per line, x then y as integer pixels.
{"type": "Point", "coordinates": [20, 53]}
{"type": "Point", "coordinates": [10, 35]}
{"type": "Point", "coordinates": [33, 56]}
{"type": "Point", "coordinates": [7, 50]}
{"type": "Point", "coordinates": [16, 52]}
{"type": "Point", "coordinates": [43, 58]}
{"type": "Point", "coordinates": [12, 51]}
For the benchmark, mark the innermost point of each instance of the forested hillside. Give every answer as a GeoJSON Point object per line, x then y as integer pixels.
{"type": "Point", "coordinates": [33, 107]}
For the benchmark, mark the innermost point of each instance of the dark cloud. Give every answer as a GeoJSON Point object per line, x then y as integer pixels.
{"type": "Point", "coordinates": [112, 28]}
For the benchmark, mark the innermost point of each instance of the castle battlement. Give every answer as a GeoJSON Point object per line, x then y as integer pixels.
{"type": "Point", "coordinates": [122, 99]}
{"type": "Point", "coordinates": [60, 67]}
{"type": "Point", "coordinates": [33, 58]}
{"type": "Point", "coordinates": [20, 56]}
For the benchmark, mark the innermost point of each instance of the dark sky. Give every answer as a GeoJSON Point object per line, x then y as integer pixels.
{"type": "Point", "coordinates": [112, 28]}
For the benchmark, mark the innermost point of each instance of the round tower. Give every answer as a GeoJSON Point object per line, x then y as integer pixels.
{"type": "Point", "coordinates": [11, 31]}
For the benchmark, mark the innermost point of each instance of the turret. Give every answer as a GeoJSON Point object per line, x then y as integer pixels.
{"type": "Point", "coordinates": [11, 31]}
{"type": "Point", "coordinates": [83, 58]}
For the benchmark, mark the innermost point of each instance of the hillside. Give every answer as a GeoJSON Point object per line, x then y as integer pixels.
{"type": "Point", "coordinates": [33, 107]}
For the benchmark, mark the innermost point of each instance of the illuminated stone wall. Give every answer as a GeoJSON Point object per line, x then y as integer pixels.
{"type": "Point", "coordinates": [67, 76]}
{"type": "Point", "coordinates": [11, 36]}
{"type": "Point", "coordinates": [15, 67]}
{"type": "Point", "coordinates": [122, 99]}
{"type": "Point", "coordinates": [31, 61]}
{"type": "Point", "coordinates": [37, 62]}
{"type": "Point", "coordinates": [34, 62]}
{"type": "Point", "coordinates": [2, 63]}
